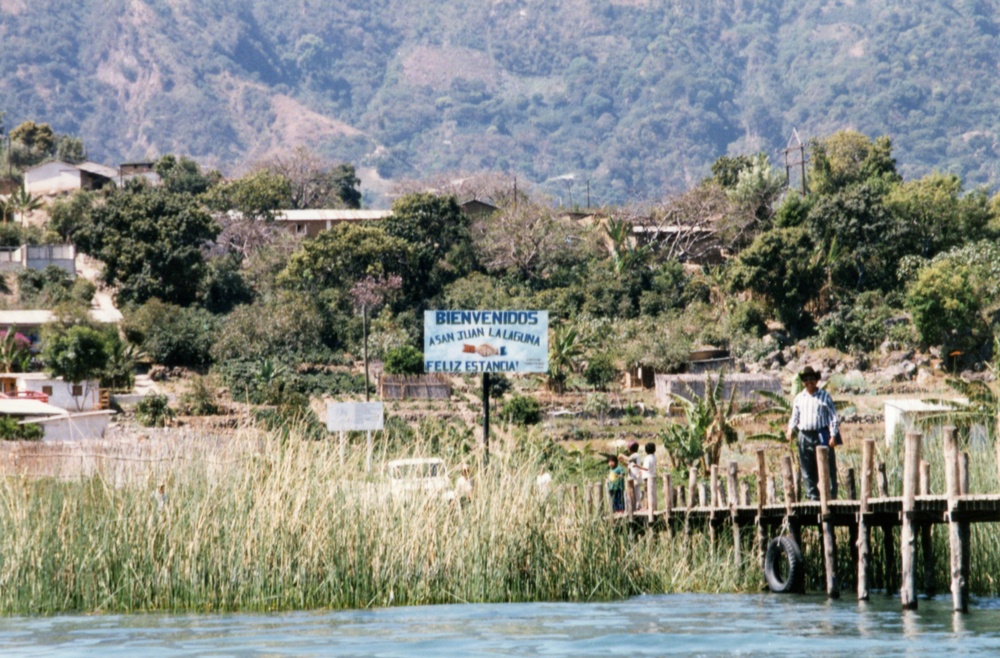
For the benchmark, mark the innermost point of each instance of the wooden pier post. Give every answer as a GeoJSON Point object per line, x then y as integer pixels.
{"type": "Point", "coordinates": [883, 481]}
{"type": "Point", "coordinates": [668, 502]}
{"type": "Point", "coordinates": [732, 489]}
{"type": "Point", "coordinates": [629, 498]}
{"type": "Point", "coordinates": [650, 499]}
{"type": "Point", "coordinates": [864, 532]}
{"type": "Point", "coordinates": [829, 539]}
{"type": "Point", "coordinates": [926, 540]}
{"type": "Point", "coordinates": [888, 539]}
{"type": "Point", "coordinates": [852, 530]}
{"type": "Point", "coordinates": [692, 486]}
{"type": "Point", "coordinates": [959, 577]}
{"type": "Point", "coordinates": [761, 501]}
{"type": "Point", "coordinates": [908, 535]}
{"type": "Point", "coordinates": [713, 478]}
{"type": "Point", "coordinates": [963, 526]}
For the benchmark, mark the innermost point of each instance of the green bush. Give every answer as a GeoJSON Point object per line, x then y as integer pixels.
{"type": "Point", "coordinates": [153, 411]}
{"type": "Point", "coordinates": [521, 410]}
{"type": "Point", "coordinates": [947, 307]}
{"type": "Point", "coordinates": [747, 318]}
{"type": "Point", "coordinates": [600, 372]}
{"type": "Point", "coordinates": [405, 360]}
{"type": "Point", "coordinates": [10, 430]}
{"type": "Point", "coordinates": [200, 399]}
{"type": "Point", "coordinates": [172, 335]}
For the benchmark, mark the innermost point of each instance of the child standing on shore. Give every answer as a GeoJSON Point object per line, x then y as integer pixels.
{"type": "Point", "coordinates": [616, 483]}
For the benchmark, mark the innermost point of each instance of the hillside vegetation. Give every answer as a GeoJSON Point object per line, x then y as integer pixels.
{"type": "Point", "coordinates": [637, 96]}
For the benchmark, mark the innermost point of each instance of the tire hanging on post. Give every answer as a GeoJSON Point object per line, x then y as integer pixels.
{"type": "Point", "coordinates": [777, 548]}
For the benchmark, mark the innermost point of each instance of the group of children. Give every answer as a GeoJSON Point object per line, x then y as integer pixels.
{"type": "Point", "coordinates": [634, 466]}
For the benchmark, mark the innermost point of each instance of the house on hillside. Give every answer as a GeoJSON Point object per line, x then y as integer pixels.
{"type": "Point", "coordinates": [476, 209]}
{"type": "Point", "coordinates": [85, 396]}
{"type": "Point", "coordinates": [309, 223]}
{"type": "Point", "coordinates": [128, 171]}
{"type": "Point", "coordinates": [30, 322]}
{"type": "Point", "coordinates": [38, 257]}
{"type": "Point", "coordinates": [56, 176]}
{"type": "Point", "coordinates": [699, 245]}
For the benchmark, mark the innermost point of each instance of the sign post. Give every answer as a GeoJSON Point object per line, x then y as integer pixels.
{"type": "Point", "coordinates": [485, 342]}
{"type": "Point", "coordinates": [355, 416]}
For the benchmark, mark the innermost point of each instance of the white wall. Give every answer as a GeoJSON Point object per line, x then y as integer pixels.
{"type": "Point", "coordinates": [51, 178]}
{"type": "Point", "coordinates": [75, 427]}
{"type": "Point", "coordinates": [62, 393]}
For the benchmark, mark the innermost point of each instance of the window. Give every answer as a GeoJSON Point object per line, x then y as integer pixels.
{"type": "Point", "coordinates": [47, 390]}
{"type": "Point", "coordinates": [300, 229]}
{"type": "Point", "coordinates": [77, 390]}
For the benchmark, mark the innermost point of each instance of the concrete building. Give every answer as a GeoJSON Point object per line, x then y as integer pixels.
{"type": "Point", "coordinates": [309, 223]}
{"type": "Point", "coordinates": [38, 257]}
{"type": "Point", "coordinates": [56, 176]}
{"type": "Point", "coordinates": [53, 391]}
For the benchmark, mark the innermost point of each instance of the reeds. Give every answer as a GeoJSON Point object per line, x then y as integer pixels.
{"type": "Point", "coordinates": [274, 524]}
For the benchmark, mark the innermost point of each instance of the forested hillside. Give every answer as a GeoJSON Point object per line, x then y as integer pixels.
{"type": "Point", "coordinates": [637, 96]}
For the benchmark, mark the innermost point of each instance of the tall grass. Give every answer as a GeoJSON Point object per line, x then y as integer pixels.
{"type": "Point", "coordinates": [278, 523]}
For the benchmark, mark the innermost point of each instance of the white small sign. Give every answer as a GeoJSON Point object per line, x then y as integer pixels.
{"type": "Point", "coordinates": [354, 416]}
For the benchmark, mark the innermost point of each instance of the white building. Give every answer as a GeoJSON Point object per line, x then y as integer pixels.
{"type": "Point", "coordinates": [56, 177]}
{"type": "Point", "coordinates": [37, 386]}
{"type": "Point", "coordinates": [905, 415]}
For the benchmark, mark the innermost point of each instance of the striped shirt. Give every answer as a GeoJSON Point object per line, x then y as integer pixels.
{"type": "Point", "coordinates": [814, 412]}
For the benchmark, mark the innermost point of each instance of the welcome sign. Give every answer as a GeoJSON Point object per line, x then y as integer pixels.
{"type": "Point", "coordinates": [486, 341]}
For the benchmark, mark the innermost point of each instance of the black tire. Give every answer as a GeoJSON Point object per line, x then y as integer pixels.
{"type": "Point", "coordinates": [782, 551]}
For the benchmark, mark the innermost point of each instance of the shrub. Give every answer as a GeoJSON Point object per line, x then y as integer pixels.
{"type": "Point", "coordinates": [600, 372]}
{"type": "Point", "coordinates": [172, 335]}
{"type": "Point", "coordinates": [200, 399]}
{"type": "Point", "coordinates": [282, 327]}
{"type": "Point", "coordinates": [499, 385]}
{"type": "Point", "coordinates": [521, 410]}
{"type": "Point", "coordinates": [11, 430]}
{"type": "Point", "coordinates": [405, 360]}
{"type": "Point", "coordinates": [153, 411]}
{"type": "Point", "coordinates": [749, 319]}
{"type": "Point", "coordinates": [947, 306]}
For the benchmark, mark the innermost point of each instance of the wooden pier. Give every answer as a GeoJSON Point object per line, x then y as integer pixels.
{"type": "Point", "coordinates": [708, 505]}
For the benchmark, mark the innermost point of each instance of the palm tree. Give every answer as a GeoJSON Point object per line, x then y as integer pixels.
{"type": "Point", "coordinates": [21, 202]}
{"type": "Point", "coordinates": [565, 352]}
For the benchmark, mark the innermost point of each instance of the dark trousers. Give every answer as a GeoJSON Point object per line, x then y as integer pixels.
{"type": "Point", "coordinates": [808, 442]}
{"type": "Point", "coordinates": [618, 500]}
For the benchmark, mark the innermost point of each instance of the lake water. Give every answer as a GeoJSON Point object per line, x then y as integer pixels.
{"type": "Point", "coordinates": [673, 625]}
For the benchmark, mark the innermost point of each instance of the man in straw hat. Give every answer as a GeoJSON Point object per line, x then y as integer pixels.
{"type": "Point", "coordinates": [815, 416]}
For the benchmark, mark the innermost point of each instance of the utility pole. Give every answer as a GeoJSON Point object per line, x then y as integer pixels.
{"type": "Point", "coordinates": [795, 156]}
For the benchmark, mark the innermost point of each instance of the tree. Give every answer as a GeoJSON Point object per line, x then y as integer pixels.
{"type": "Point", "coordinates": [172, 335]}
{"type": "Point", "coordinates": [869, 239]}
{"type": "Point", "coordinates": [150, 241]}
{"type": "Point", "coordinates": [21, 203]}
{"type": "Point", "coordinates": [258, 196]}
{"type": "Point", "coordinates": [313, 183]}
{"type": "Point", "coordinates": [337, 259]}
{"type": "Point", "coordinates": [934, 214]}
{"type": "Point", "coordinates": [77, 354]}
{"type": "Point", "coordinates": [947, 306]}
{"type": "Point", "coordinates": [183, 175]}
{"type": "Point", "coordinates": [67, 215]}
{"type": "Point", "coordinates": [526, 240]}
{"type": "Point", "coordinates": [439, 238]}
{"type": "Point", "coordinates": [779, 266]}
{"type": "Point", "coordinates": [37, 137]}
{"type": "Point", "coordinates": [848, 157]}
{"type": "Point", "coordinates": [15, 351]}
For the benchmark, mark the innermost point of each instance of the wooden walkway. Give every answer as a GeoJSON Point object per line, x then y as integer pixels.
{"type": "Point", "coordinates": [729, 505]}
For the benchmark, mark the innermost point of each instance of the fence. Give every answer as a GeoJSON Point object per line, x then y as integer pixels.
{"type": "Point", "coordinates": [414, 387]}
{"type": "Point", "coordinates": [38, 257]}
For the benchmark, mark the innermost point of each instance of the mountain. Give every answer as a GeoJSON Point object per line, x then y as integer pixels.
{"type": "Point", "coordinates": [638, 97]}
